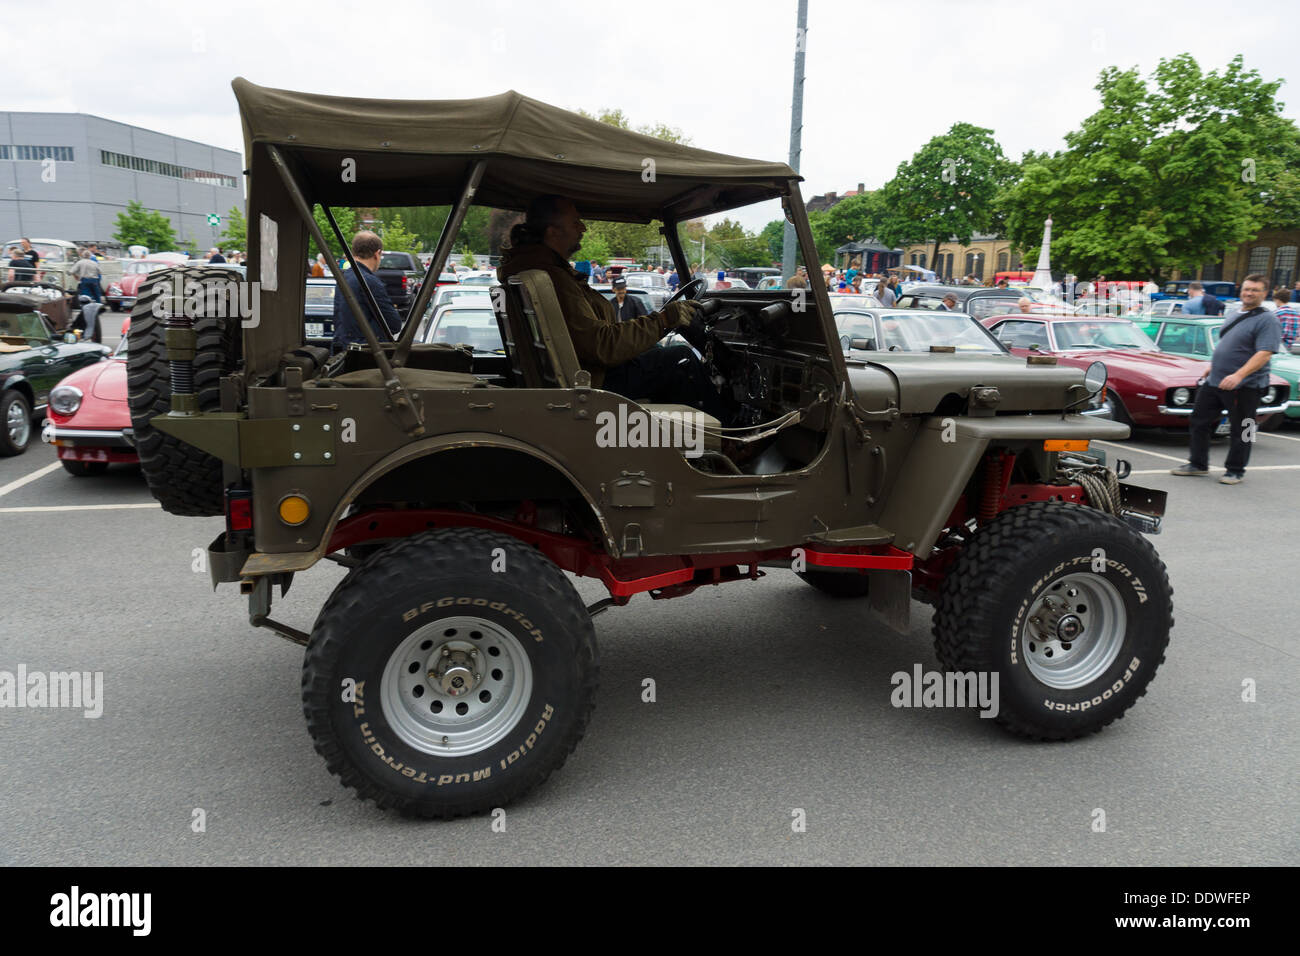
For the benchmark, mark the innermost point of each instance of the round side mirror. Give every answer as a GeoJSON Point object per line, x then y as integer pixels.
{"type": "Point", "coordinates": [1095, 377]}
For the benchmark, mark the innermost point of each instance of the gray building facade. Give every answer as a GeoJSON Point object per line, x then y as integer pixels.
{"type": "Point", "coordinates": [68, 175]}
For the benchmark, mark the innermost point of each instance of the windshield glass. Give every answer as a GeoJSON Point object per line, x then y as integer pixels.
{"type": "Point", "coordinates": [1101, 335]}
{"type": "Point", "coordinates": [916, 332]}
{"type": "Point", "coordinates": [321, 295]}
{"type": "Point", "coordinates": [474, 327]}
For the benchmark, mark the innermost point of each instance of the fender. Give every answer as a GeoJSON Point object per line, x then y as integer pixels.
{"type": "Point", "coordinates": [259, 563]}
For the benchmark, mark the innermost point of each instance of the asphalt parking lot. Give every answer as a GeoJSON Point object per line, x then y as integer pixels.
{"type": "Point", "coordinates": [770, 698]}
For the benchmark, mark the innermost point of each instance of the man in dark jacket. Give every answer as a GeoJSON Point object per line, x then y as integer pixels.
{"type": "Point", "coordinates": [366, 249]}
{"type": "Point", "coordinates": [622, 357]}
{"type": "Point", "coordinates": [626, 306]}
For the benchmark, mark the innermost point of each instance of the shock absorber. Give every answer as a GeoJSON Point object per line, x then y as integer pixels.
{"type": "Point", "coordinates": [178, 332]}
{"type": "Point", "coordinates": [991, 492]}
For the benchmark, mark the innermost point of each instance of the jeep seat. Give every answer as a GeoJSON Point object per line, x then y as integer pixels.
{"type": "Point", "coordinates": [541, 352]}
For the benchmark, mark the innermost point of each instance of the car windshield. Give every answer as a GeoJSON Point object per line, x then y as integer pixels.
{"type": "Point", "coordinates": [143, 268]}
{"type": "Point", "coordinates": [395, 260]}
{"type": "Point", "coordinates": [1101, 335]}
{"type": "Point", "coordinates": [479, 280]}
{"type": "Point", "coordinates": [474, 327]}
{"type": "Point", "coordinates": [451, 293]}
{"type": "Point", "coordinates": [321, 295]}
{"type": "Point", "coordinates": [23, 325]}
{"type": "Point", "coordinates": [917, 332]}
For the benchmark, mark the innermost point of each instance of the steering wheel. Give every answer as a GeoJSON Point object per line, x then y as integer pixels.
{"type": "Point", "coordinates": [691, 290]}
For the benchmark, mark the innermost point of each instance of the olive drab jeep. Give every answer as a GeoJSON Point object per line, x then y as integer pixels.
{"type": "Point", "coordinates": [455, 666]}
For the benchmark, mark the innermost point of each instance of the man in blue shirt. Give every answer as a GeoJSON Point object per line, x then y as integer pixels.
{"type": "Point", "coordinates": [366, 249]}
{"type": "Point", "coordinates": [1200, 302]}
{"type": "Point", "coordinates": [1235, 381]}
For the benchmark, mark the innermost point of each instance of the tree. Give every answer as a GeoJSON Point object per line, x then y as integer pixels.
{"type": "Point", "coordinates": [347, 220]}
{"type": "Point", "coordinates": [396, 238]}
{"type": "Point", "coordinates": [947, 189]}
{"type": "Point", "coordinates": [773, 235]}
{"type": "Point", "coordinates": [467, 258]}
{"type": "Point", "coordinates": [1167, 174]}
{"type": "Point", "coordinates": [138, 226]}
{"type": "Point", "coordinates": [235, 235]}
{"type": "Point", "coordinates": [594, 247]}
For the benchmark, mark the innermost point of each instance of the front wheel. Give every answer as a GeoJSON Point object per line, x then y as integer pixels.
{"type": "Point", "coordinates": [1069, 607]}
{"type": "Point", "coordinates": [15, 423]}
{"type": "Point", "coordinates": [439, 686]}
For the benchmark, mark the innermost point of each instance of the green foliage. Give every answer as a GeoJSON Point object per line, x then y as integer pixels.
{"type": "Point", "coordinates": [235, 235]}
{"type": "Point", "coordinates": [947, 189]}
{"type": "Point", "coordinates": [144, 227]}
{"type": "Point", "coordinates": [347, 220]}
{"type": "Point", "coordinates": [616, 117]}
{"type": "Point", "coordinates": [1166, 174]}
{"type": "Point", "coordinates": [773, 235]}
{"type": "Point", "coordinates": [594, 247]}
{"type": "Point", "coordinates": [467, 258]}
{"type": "Point", "coordinates": [395, 236]}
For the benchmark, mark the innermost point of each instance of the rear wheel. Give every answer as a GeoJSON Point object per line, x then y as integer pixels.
{"type": "Point", "coordinates": [438, 687]}
{"type": "Point", "coordinates": [15, 423]}
{"type": "Point", "coordinates": [1068, 606]}
{"type": "Point", "coordinates": [185, 480]}
{"type": "Point", "coordinates": [84, 469]}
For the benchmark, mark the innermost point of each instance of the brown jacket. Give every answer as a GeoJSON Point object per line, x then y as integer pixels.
{"type": "Point", "coordinates": [599, 340]}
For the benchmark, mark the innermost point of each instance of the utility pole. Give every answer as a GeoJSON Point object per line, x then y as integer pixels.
{"type": "Point", "coordinates": [796, 133]}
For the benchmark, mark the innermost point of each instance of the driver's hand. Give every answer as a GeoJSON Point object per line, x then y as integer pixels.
{"type": "Point", "coordinates": [681, 314]}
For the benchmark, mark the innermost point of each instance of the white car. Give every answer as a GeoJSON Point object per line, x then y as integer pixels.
{"type": "Point", "coordinates": [466, 322]}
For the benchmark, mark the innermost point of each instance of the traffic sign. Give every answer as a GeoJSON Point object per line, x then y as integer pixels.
{"type": "Point", "coordinates": [214, 219]}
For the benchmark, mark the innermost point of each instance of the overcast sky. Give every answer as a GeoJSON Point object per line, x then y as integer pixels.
{"type": "Point", "coordinates": [881, 79]}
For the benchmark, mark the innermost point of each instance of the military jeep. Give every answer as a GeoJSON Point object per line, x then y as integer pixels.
{"type": "Point", "coordinates": [455, 666]}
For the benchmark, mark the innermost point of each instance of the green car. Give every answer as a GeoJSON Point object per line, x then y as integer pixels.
{"type": "Point", "coordinates": [1195, 336]}
{"type": "Point", "coordinates": [33, 359]}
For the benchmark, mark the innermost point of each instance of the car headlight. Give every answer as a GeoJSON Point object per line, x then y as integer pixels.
{"type": "Point", "coordinates": [1270, 396]}
{"type": "Point", "coordinates": [115, 289]}
{"type": "Point", "coordinates": [1182, 396]}
{"type": "Point", "coordinates": [65, 399]}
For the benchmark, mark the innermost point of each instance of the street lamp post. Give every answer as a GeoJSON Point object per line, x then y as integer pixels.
{"type": "Point", "coordinates": [18, 205]}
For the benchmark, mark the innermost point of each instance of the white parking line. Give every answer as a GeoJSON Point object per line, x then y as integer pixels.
{"type": "Point", "coordinates": [1275, 435]}
{"type": "Point", "coordinates": [10, 511]}
{"type": "Point", "coordinates": [15, 485]}
{"type": "Point", "coordinates": [1140, 451]}
{"type": "Point", "coordinates": [1165, 471]}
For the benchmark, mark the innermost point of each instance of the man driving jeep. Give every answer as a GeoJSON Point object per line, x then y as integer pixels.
{"type": "Point", "coordinates": [622, 357]}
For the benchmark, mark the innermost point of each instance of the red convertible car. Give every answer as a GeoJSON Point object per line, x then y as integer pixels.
{"type": "Point", "coordinates": [90, 422]}
{"type": "Point", "coordinates": [1146, 387]}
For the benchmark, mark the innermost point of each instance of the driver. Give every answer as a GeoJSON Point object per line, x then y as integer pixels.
{"type": "Point", "coordinates": [622, 357]}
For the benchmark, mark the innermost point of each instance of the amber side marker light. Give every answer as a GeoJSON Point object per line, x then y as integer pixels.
{"type": "Point", "coordinates": [1065, 444]}
{"type": "Point", "coordinates": [294, 509]}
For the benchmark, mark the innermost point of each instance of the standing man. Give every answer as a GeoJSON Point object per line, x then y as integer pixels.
{"type": "Point", "coordinates": [215, 257]}
{"type": "Point", "coordinates": [87, 274]}
{"type": "Point", "coordinates": [1288, 315]}
{"type": "Point", "coordinates": [33, 257]}
{"type": "Point", "coordinates": [19, 265]}
{"type": "Point", "coordinates": [1200, 302]}
{"type": "Point", "coordinates": [1295, 293]}
{"type": "Point", "coordinates": [1235, 380]}
{"type": "Point", "coordinates": [626, 306]}
{"type": "Point", "coordinates": [366, 249]}
{"type": "Point", "coordinates": [949, 303]}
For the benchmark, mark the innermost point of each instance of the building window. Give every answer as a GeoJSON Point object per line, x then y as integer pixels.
{"type": "Point", "coordinates": [171, 170]}
{"type": "Point", "coordinates": [1016, 264]}
{"type": "Point", "coordinates": [62, 154]}
{"type": "Point", "coordinates": [1002, 262]}
{"type": "Point", "coordinates": [946, 261]}
{"type": "Point", "coordinates": [920, 260]}
{"type": "Point", "coordinates": [1284, 266]}
{"type": "Point", "coordinates": [1212, 271]}
{"type": "Point", "coordinates": [975, 264]}
{"type": "Point", "coordinates": [1258, 259]}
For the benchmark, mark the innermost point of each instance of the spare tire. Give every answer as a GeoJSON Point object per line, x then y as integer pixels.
{"type": "Point", "coordinates": [185, 480]}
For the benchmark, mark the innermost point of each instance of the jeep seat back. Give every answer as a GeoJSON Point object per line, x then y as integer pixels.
{"type": "Point", "coordinates": [539, 335]}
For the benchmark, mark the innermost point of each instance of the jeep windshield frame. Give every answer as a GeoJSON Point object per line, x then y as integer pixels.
{"type": "Point", "coordinates": [498, 151]}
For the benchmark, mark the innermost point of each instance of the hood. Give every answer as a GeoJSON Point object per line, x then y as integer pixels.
{"type": "Point", "coordinates": [109, 383]}
{"type": "Point", "coordinates": [919, 382]}
{"type": "Point", "coordinates": [1161, 366]}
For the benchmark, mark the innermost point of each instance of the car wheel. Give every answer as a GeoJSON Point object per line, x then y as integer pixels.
{"type": "Point", "coordinates": [1068, 606]}
{"type": "Point", "coordinates": [84, 469]}
{"type": "Point", "coordinates": [836, 583]}
{"type": "Point", "coordinates": [184, 480]}
{"type": "Point", "coordinates": [1115, 409]}
{"type": "Point", "coordinates": [438, 687]}
{"type": "Point", "coordinates": [15, 423]}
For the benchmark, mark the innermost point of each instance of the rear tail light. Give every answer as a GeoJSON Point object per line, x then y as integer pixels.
{"type": "Point", "coordinates": [405, 280]}
{"type": "Point", "coordinates": [239, 509]}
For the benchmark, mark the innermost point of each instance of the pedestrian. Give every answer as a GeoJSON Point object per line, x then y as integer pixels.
{"type": "Point", "coordinates": [1025, 304]}
{"type": "Point", "coordinates": [1200, 302]}
{"type": "Point", "coordinates": [854, 269]}
{"type": "Point", "coordinates": [1002, 284]}
{"type": "Point", "coordinates": [318, 268]}
{"type": "Point", "coordinates": [672, 280]}
{"type": "Point", "coordinates": [885, 293]}
{"type": "Point", "coordinates": [88, 275]}
{"type": "Point", "coordinates": [96, 254]}
{"type": "Point", "coordinates": [797, 282]}
{"type": "Point", "coordinates": [215, 257]}
{"type": "Point", "coordinates": [366, 250]}
{"type": "Point", "coordinates": [626, 307]}
{"type": "Point", "coordinates": [1295, 293]}
{"type": "Point", "coordinates": [949, 303]}
{"type": "Point", "coordinates": [89, 319]}
{"type": "Point", "coordinates": [855, 284]}
{"type": "Point", "coordinates": [1288, 316]}
{"type": "Point", "coordinates": [33, 258]}
{"type": "Point", "coordinates": [597, 272]}
{"type": "Point", "coordinates": [1235, 381]}
{"type": "Point", "coordinates": [20, 267]}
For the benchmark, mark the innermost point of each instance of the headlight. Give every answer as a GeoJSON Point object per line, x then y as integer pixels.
{"type": "Point", "coordinates": [1270, 396]}
{"type": "Point", "coordinates": [115, 289]}
{"type": "Point", "coordinates": [1182, 396]}
{"type": "Point", "coordinates": [65, 399]}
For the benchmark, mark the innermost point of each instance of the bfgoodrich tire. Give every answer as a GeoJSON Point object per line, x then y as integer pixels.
{"type": "Point", "coordinates": [1069, 606]}
{"type": "Point", "coordinates": [185, 480]}
{"type": "Point", "coordinates": [437, 686]}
